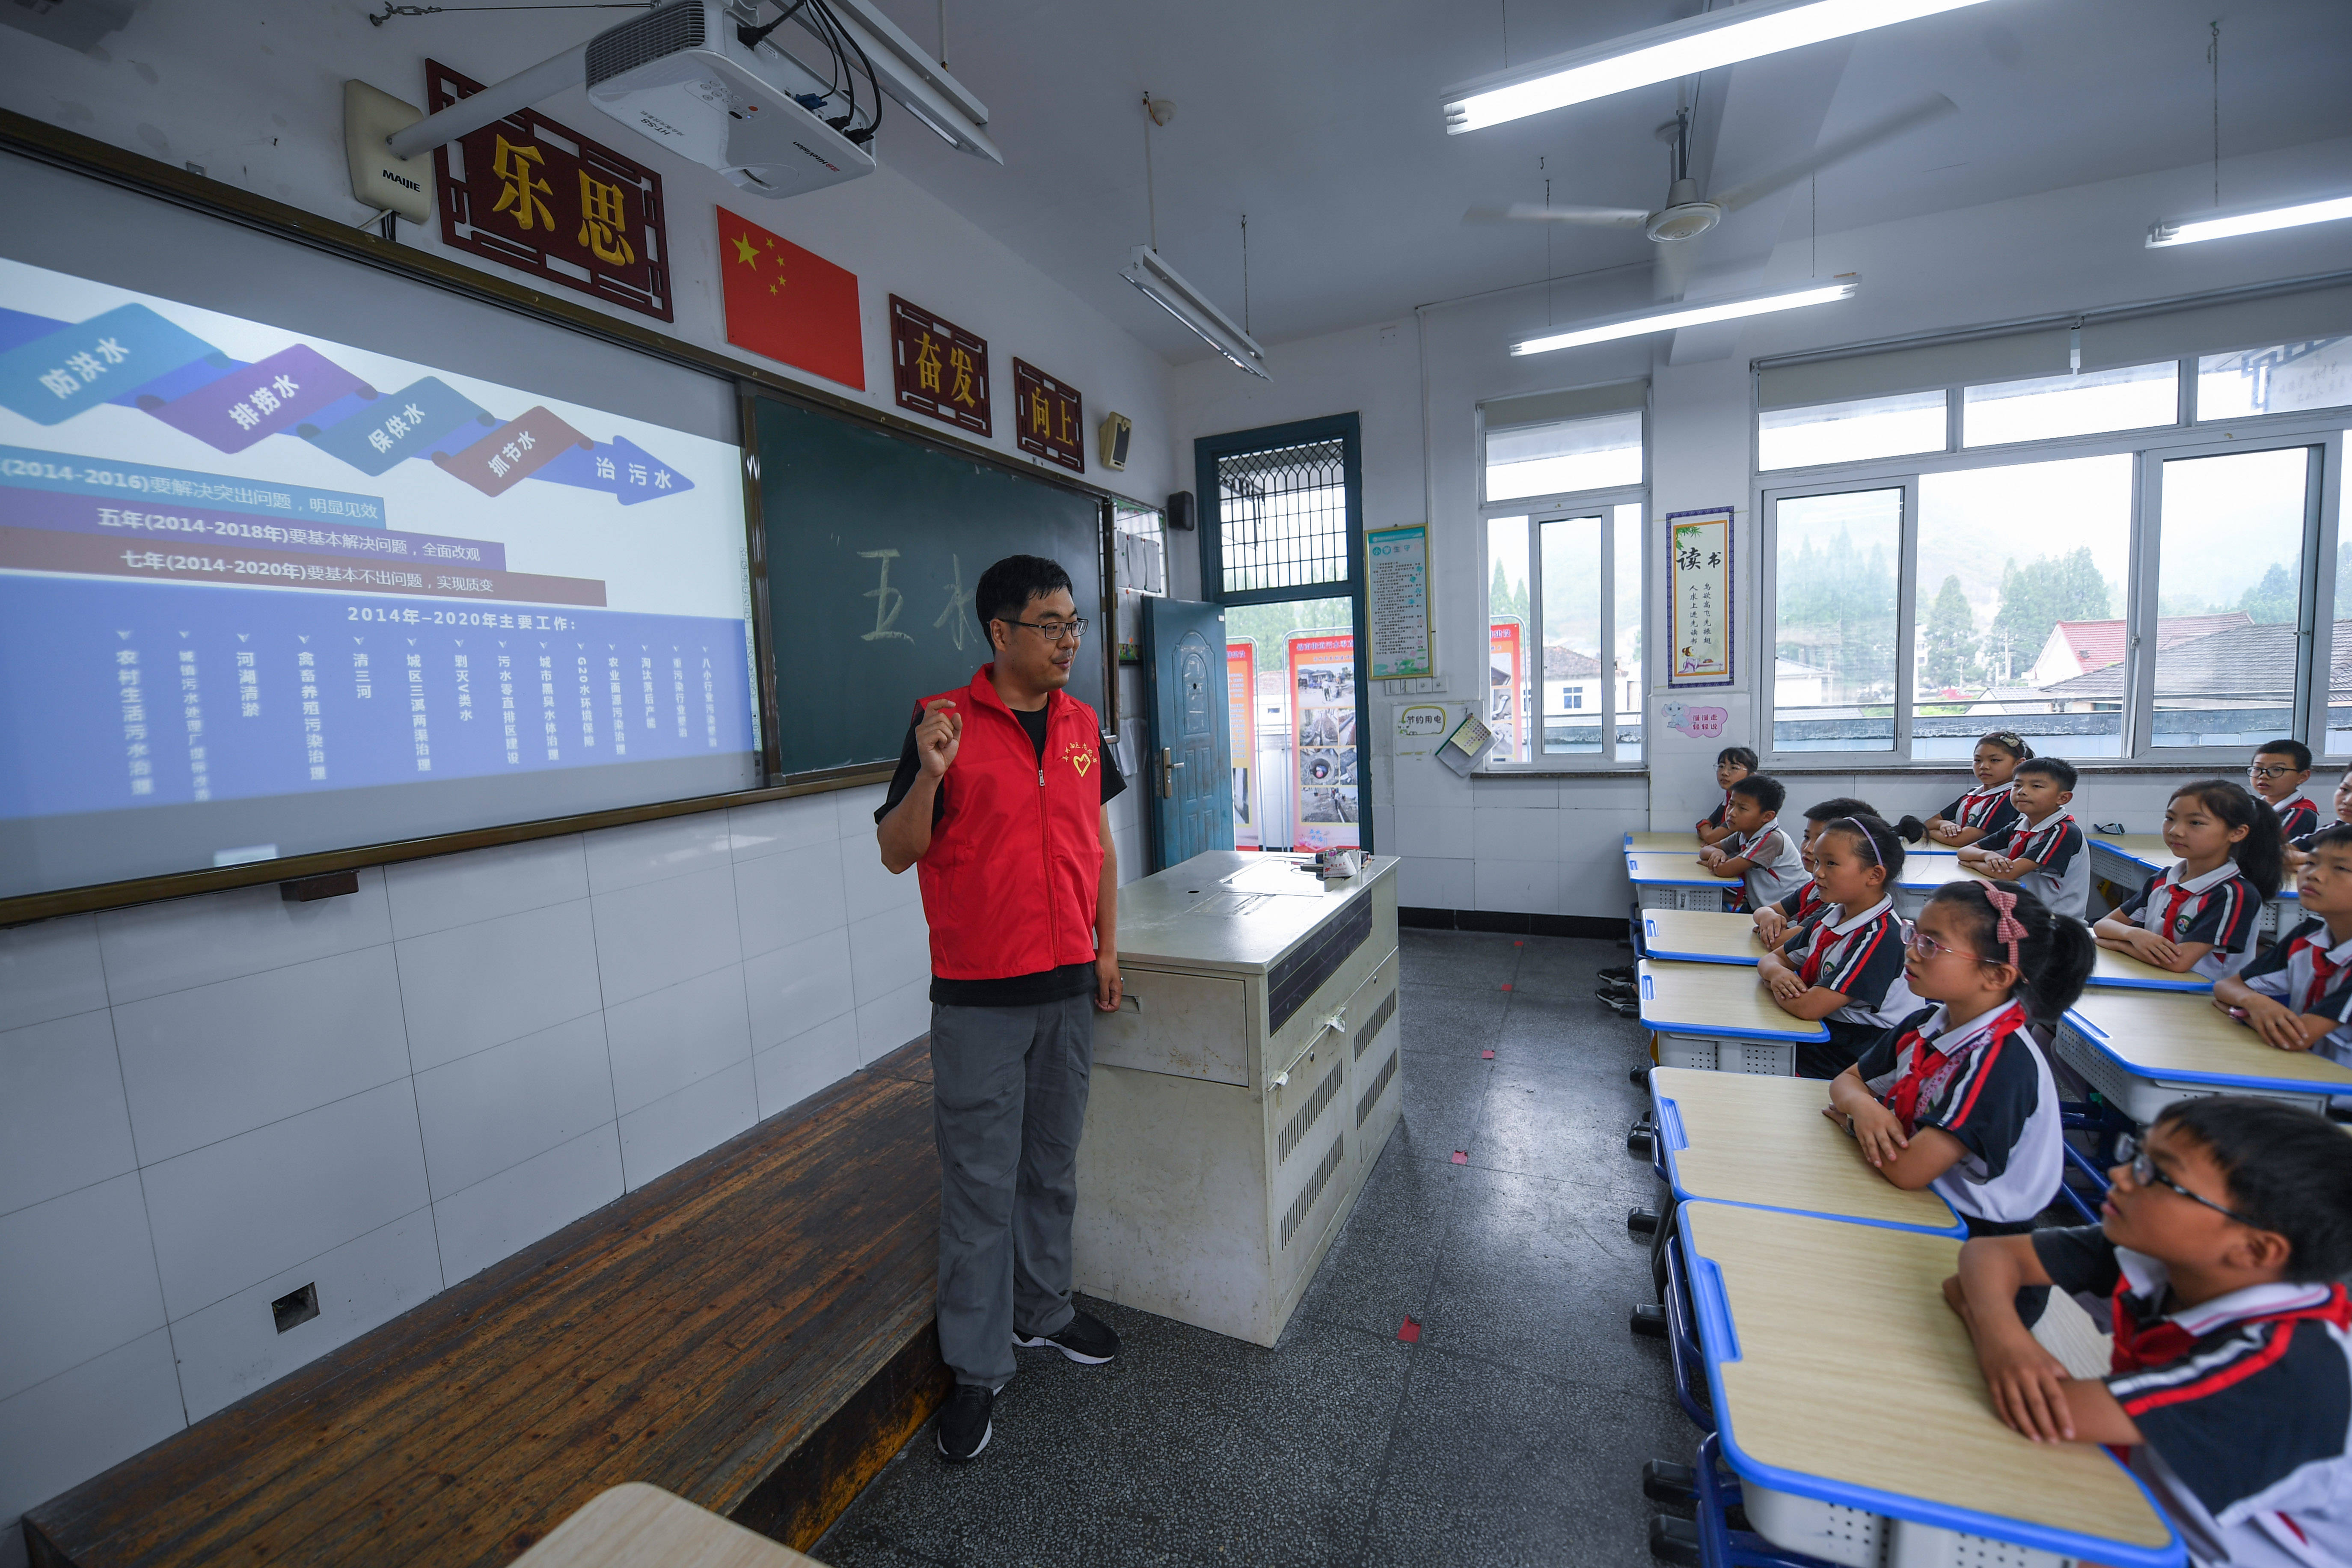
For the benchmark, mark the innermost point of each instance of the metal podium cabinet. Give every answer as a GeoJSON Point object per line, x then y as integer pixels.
{"type": "Point", "coordinates": [1190, 774]}
{"type": "Point", "coordinates": [1243, 1091]}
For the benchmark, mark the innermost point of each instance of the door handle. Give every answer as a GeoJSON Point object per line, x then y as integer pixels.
{"type": "Point", "coordinates": [1168, 766]}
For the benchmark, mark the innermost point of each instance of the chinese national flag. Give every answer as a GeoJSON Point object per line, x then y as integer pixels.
{"type": "Point", "coordinates": [788, 304]}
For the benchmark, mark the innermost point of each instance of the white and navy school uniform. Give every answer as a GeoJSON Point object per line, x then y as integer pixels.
{"type": "Point", "coordinates": [1860, 957]}
{"type": "Point", "coordinates": [1714, 819]}
{"type": "Point", "coordinates": [2303, 840]}
{"type": "Point", "coordinates": [1986, 1084]}
{"type": "Point", "coordinates": [2311, 978]}
{"type": "Point", "coordinates": [2298, 816]}
{"type": "Point", "coordinates": [1775, 868]}
{"type": "Point", "coordinates": [1991, 809]}
{"type": "Point", "coordinates": [2243, 1403]}
{"type": "Point", "coordinates": [2064, 854]}
{"type": "Point", "coordinates": [2218, 907]}
{"type": "Point", "coordinates": [1799, 908]}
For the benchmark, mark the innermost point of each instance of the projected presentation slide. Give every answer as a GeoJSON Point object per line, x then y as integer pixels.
{"type": "Point", "coordinates": [263, 595]}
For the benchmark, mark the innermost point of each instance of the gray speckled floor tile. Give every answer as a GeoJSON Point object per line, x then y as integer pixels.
{"type": "Point", "coordinates": [1443, 1098]}
{"type": "Point", "coordinates": [1384, 1263]}
{"type": "Point", "coordinates": [1564, 968]}
{"type": "Point", "coordinates": [1459, 960]}
{"type": "Point", "coordinates": [1432, 1019]}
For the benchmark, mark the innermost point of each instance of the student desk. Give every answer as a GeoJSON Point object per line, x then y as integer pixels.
{"type": "Point", "coordinates": [1685, 843]}
{"type": "Point", "coordinates": [1719, 1018]}
{"type": "Point", "coordinates": [1764, 1142]}
{"type": "Point", "coordinates": [1848, 1401]}
{"type": "Point", "coordinates": [1694, 936]}
{"type": "Point", "coordinates": [2129, 859]}
{"type": "Point", "coordinates": [2124, 971]}
{"type": "Point", "coordinates": [634, 1525]}
{"type": "Point", "coordinates": [1922, 875]}
{"type": "Point", "coordinates": [1675, 881]}
{"type": "Point", "coordinates": [2144, 1049]}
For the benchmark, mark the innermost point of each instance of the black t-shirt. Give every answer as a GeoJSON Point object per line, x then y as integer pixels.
{"type": "Point", "coordinates": [1019, 990]}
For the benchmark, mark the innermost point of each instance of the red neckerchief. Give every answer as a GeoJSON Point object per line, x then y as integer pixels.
{"type": "Point", "coordinates": [2139, 1347]}
{"type": "Point", "coordinates": [2179, 895]}
{"type": "Point", "coordinates": [1931, 1068]}
{"type": "Point", "coordinates": [2322, 971]}
{"type": "Point", "coordinates": [1809, 899]}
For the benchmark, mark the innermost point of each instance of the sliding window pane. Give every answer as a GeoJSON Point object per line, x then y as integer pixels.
{"type": "Point", "coordinates": [1835, 557]}
{"type": "Point", "coordinates": [1575, 681]}
{"type": "Point", "coordinates": [2338, 741]}
{"type": "Point", "coordinates": [1849, 432]}
{"type": "Point", "coordinates": [1627, 682]}
{"type": "Point", "coordinates": [1600, 453]}
{"type": "Point", "coordinates": [2232, 558]}
{"type": "Point", "coordinates": [2129, 399]}
{"type": "Point", "coordinates": [1507, 639]}
{"type": "Point", "coordinates": [2314, 374]}
{"type": "Point", "coordinates": [2019, 607]}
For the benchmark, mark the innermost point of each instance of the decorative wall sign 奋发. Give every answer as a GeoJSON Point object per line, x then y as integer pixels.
{"type": "Point", "coordinates": [537, 195]}
{"type": "Point", "coordinates": [938, 368]}
{"type": "Point", "coordinates": [1698, 598]}
{"type": "Point", "coordinates": [1049, 417]}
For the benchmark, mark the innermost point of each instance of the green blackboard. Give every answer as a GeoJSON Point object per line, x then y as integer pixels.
{"type": "Point", "coordinates": [873, 545]}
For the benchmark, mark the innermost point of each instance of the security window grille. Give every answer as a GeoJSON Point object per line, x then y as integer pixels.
{"type": "Point", "coordinates": [1283, 513]}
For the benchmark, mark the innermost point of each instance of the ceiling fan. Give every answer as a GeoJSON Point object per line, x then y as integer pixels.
{"type": "Point", "coordinates": [1686, 215]}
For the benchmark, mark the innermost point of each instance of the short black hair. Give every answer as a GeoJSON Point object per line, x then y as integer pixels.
{"type": "Point", "coordinates": [1738, 756]}
{"type": "Point", "coordinates": [1763, 789]}
{"type": "Point", "coordinates": [1840, 806]}
{"type": "Point", "coordinates": [2055, 767]}
{"type": "Point", "coordinates": [2289, 1170]}
{"type": "Point", "coordinates": [1006, 588]}
{"type": "Point", "coordinates": [2296, 749]}
{"type": "Point", "coordinates": [2334, 836]}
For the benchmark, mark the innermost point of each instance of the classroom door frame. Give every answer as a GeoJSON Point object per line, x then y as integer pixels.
{"type": "Point", "coordinates": [1348, 429]}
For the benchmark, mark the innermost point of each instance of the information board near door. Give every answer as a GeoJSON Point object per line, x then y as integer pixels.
{"type": "Point", "coordinates": [875, 546]}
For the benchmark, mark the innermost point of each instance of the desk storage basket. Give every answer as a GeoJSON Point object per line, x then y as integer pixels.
{"type": "Point", "coordinates": [1665, 896]}
{"type": "Point", "coordinates": [1835, 1533]}
{"type": "Point", "coordinates": [1776, 1058]}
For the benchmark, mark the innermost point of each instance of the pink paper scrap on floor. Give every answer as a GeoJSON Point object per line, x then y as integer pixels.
{"type": "Point", "coordinates": [1486, 1055]}
{"type": "Point", "coordinates": [1411, 1332]}
{"type": "Point", "coordinates": [1507, 985]}
{"type": "Point", "coordinates": [1462, 1156]}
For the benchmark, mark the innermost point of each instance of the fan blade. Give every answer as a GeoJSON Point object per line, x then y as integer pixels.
{"type": "Point", "coordinates": [1527, 212]}
{"type": "Point", "coordinates": [1935, 106]}
{"type": "Point", "coordinates": [1676, 262]}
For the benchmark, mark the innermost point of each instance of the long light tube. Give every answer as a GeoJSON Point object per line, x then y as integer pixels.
{"type": "Point", "coordinates": [1637, 323]}
{"type": "Point", "coordinates": [2190, 230]}
{"type": "Point", "coordinates": [1165, 288]}
{"type": "Point", "coordinates": [1678, 49]}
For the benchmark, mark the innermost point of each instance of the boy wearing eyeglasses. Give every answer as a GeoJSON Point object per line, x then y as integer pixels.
{"type": "Point", "coordinates": [2278, 773]}
{"type": "Point", "coordinates": [2221, 1247]}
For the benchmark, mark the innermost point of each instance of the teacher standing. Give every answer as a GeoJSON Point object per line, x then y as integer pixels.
{"type": "Point", "coordinates": [1002, 803]}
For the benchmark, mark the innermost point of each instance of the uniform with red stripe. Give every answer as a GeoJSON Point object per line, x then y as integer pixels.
{"type": "Point", "coordinates": [2298, 816]}
{"type": "Point", "coordinates": [1714, 819]}
{"type": "Point", "coordinates": [2310, 978]}
{"type": "Point", "coordinates": [1989, 809]}
{"type": "Point", "coordinates": [1987, 1085]}
{"type": "Point", "coordinates": [1775, 867]}
{"type": "Point", "coordinates": [2243, 1403]}
{"type": "Point", "coordinates": [2218, 907]}
{"type": "Point", "coordinates": [2057, 845]}
{"type": "Point", "coordinates": [1859, 956]}
{"type": "Point", "coordinates": [1802, 907]}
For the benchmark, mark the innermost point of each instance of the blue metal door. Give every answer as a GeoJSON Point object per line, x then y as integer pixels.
{"type": "Point", "coordinates": [1190, 772]}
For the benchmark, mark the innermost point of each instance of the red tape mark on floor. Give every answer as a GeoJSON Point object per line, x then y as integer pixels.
{"type": "Point", "coordinates": [1507, 985]}
{"type": "Point", "coordinates": [1409, 1333]}
{"type": "Point", "coordinates": [1486, 1055]}
{"type": "Point", "coordinates": [1462, 1156]}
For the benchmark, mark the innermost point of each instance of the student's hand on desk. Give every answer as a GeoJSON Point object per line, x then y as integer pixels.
{"type": "Point", "coordinates": [2028, 1385]}
{"type": "Point", "coordinates": [2145, 943]}
{"type": "Point", "coordinates": [1786, 985]}
{"type": "Point", "coordinates": [2265, 1016]}
{"type": "Point", "coordinates": [1771, 925]}
{"type": "Point", "coordinates": [1711, 856]}
{"type": "Point", "coordinates": [1107, 987]}
{"type": "Point", "coordinates": [1879, 1132]}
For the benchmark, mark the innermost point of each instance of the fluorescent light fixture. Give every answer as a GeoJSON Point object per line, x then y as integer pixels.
{"type": "Point", "coordinates": [1636, 324]}
{"type": "Point", "coordinates": [1678, 49]}
{"type": "Point", "coordinates": [2190, 230]}
{"type": "Point", "coordinates": [920, 85]}
{"type": "Point", "coordinates": [1164, 286]}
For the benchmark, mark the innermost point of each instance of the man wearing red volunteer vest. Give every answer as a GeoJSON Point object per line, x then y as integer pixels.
{"type": "Point", "coordinates": [1002, 803]}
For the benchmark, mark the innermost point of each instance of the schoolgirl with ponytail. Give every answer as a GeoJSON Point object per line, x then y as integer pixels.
{"type": "Point", "coordinates": [1958, 1095]}
{"type": "Point", "coordinates": [1844, 967]}
{"type": "Point", "coordinates": [2200, 911]}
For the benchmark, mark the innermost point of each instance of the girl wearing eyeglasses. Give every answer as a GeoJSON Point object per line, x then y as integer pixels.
{"type": "Point", "coordinates": [1958, 1096]}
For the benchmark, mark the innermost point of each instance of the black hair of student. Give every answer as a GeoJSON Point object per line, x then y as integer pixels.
{"type": "Point", "coordinates": [2289, 1170]}
{"type": "Point", "coordinates": [1006, 588]}
{"type": "Point", "coordinates": [2055, 767]}
{"type": "Point", "coordinates": [2334, 836]}
{"type": "Point", "coordinates": [1738, 756]}
{"type": "Point", "coordinates": [2009, 740]}
{"type": "Point", "coordinates": [2056, 953]}
{"type": "Point", "coordinates": [1865, 823]}
{"type": "Point", "coordinates": [1840, 806]}
{"type": "Point", "coordinates": [2261, 855]}
{"type": "Point", "coordinates": [1763, 789]}
{"type": "Point", "coordinates": [2296, 749]}
{"type": "Point", "coordinates": [1911, 827]}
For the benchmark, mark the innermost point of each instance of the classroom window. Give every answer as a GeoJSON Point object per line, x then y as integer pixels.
{"type": "Point", "coordinates": [1284, 512]}
{"type": "Point", "coordinates": [1604, 452]}
{"type": "Point", "coordinates": [1850, 432]}
{"type": "Point", "coordinates": [2232, 553]}
{"type": "Point", "coordinates": [1833, 618]}
{"type": "Point", "coordinates": [2050, 407]}
{"type": "Point", "coordinates": [2282, 378]}
{"type": "Point", "coordinates": [1564, 635]}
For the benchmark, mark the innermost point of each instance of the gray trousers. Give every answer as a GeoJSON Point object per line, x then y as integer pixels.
{"type": "Point", "coordinates": [1008, 1100]}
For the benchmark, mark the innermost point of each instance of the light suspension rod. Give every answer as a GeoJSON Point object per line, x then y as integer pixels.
{"type": "Point", "coordinates": [2190, 230]}
{"type": "Point", "coordinates": [1678, 49]}
{"type": "Point", "coordinates": [1638, 324]}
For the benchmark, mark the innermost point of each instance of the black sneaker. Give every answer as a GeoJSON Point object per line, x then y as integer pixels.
{"type": "Point", "coordinates": [1622, 972]}
{"type": "Point", "coordinates": [1083, 1339]}
{"type": "Point", "coordinates": [964, 1424]}
{"type": "Point", "coordinates": [1616, 988]}
{"type": "Point", "coordinates": [1639, 1075]}
{"type": "Point", "coordinates": [1624, 1007]}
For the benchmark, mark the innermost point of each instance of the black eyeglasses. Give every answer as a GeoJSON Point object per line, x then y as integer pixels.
{"type": "Point", "coordinates": [2145, 1174]}
{"type": "Point", "coordinates": [2260, 771]}
{"type": "Point", "coordinates": [1055, 631]}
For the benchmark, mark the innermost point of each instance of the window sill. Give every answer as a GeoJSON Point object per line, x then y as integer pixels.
{"type": "Point", "coordinates": [1958, 765]}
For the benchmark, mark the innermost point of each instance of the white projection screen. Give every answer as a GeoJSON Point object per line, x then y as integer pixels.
{"type": "Point", "coordinates": [297, 555]}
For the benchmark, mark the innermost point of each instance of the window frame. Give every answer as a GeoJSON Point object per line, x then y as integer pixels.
{"type": "Point", "coordinates": [2323, 430]}
{"type": "Point", "coordinates": [1538, 510]}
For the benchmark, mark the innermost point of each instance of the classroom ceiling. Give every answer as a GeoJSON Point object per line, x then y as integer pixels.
{"type": "Point", "coordinates": [1320, 119]}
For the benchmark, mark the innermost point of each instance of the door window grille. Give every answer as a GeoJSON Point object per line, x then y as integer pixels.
{"type": "Point", "coordinates": [1284, 512]}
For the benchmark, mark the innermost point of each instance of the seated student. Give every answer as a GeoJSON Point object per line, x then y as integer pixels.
{"type": "Point", "coordinates": [1759, 853]}
{"type": "Point", "coordinates": [1845, 968]}
{"type": "Point", "coordinates": [2200, 912]}
{"type": "Point", "coordinates": [1956, 1096]}
{"type": "Point", "coordinates": [2278, 773]}
{"type": "Point", "coordinates": [2221, 1246]}
{"type": "Point", "coordinates": [1983, 810]}
{"type": "Point", "coordinates": [1731, 765]}
{"type": "Point", "coordinates": [1773, 920]}
{"type": "Point", "coordinates": [2298, 995]}
{"type": "Point", "coordinates": [2045, 851]}
{"type": "Point", "coordinates": [2298, 849]}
